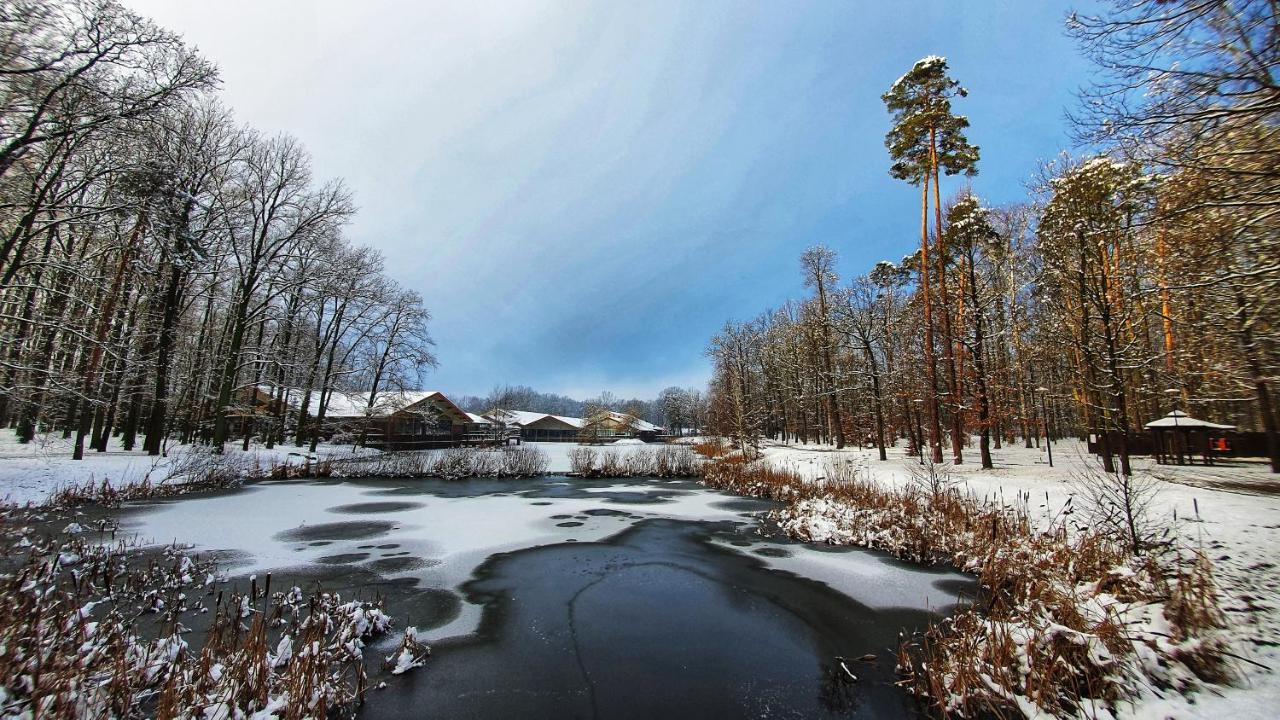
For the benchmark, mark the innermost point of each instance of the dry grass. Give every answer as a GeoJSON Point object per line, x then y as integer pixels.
{"type": "Point", "coordinates": [79, 614]}
{"type": "Point", "coordinates": [1067, 619]}
{"type": "Point", "coordinates": [194, 471]}
{"type": "Point", "coordinates": [711, 449]}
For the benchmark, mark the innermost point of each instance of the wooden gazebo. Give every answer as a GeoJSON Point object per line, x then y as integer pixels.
{"type": "Point", "coordinates": [1176, 437]}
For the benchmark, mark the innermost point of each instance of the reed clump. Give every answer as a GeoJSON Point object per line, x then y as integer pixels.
{"type": "Point", "coordinates": [712, 449]}
{"type": "Point", "coordinates": [98, 628]}
{"type": "Point", "coordinates": [192, 471]}
{"type": "Point", "coordinates": [1070, 620]}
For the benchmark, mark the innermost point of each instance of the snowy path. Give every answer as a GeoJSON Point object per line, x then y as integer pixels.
{"type": "Point", "coordinates": [1238, 526]}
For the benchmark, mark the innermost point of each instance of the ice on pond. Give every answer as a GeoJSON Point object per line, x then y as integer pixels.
{"type": "Point", "coordinates": [437, 533]}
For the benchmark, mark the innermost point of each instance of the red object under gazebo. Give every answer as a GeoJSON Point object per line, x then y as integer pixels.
{"type": "Point", "coordinates": [1174, 436]}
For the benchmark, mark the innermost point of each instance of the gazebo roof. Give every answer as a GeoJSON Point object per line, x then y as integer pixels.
{"type": "Point", "coordinates": [1180, 420]}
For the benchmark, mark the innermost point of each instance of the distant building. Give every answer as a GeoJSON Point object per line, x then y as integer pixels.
{"type": "Point", "coordinates": [608, 426]}
{"type": "Point", "coordinates": [399, 420]}
{"type": "Point", "coordinates": [539, 427]}
{"type": "Point", "coordinates": [605, 427]}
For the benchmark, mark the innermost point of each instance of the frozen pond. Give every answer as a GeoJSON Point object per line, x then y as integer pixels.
{"type": "Point", "coordinates": [561, 597]}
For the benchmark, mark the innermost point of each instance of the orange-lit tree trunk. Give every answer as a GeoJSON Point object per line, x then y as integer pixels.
{"type": "Point", "coordinates": [948, 337]}
{"type": "Point", "coordinates": [930, 357]}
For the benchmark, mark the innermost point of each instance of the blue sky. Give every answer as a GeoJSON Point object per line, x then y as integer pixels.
{"type": "Point", "coordinates": [585, 192]}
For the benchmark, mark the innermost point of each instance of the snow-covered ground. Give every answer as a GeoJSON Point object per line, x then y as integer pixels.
{"type": "Point", "coordinates": [30, 472]}
{"type": "Point", "coordinates": [1232, 511]}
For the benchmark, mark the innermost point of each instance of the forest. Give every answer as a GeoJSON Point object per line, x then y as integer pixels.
{"type": "Point", "coordinates": [164, 269]}
{"type": "Point", "coordinates": [1139, 276]}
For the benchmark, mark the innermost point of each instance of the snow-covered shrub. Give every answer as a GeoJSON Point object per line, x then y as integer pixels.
{"type": "Point", "coordinates": [675, 461]}
{"type": "Point", "coordinates": [665, 461]}
{"type": "Point", "coordinates": [524, 461]}
{"type": "Point", "coordinates": [582, 460]}
{"type": "Point", "coordinates": [448, 464]}
{"type": "Point", "coordinates": [1118, 504]}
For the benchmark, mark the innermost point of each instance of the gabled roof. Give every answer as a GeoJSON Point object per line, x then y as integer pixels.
{"type": "Point", "coordinates": [574, 421]}
{"type": "Point", "coordinates": [479, 419]}
{"type": "Point", "coordinates": [626, 420]}
{"type": "Point", "coordinates": [519, 418]}
{"type": "Point", "coordinates": [524, 418]}
{"type": "Point", "coordinates": [387, 402]}
{"type": "Point", "coordinates": [557, 422]}
{"type": "Point", "coordinates": [1179, 419]}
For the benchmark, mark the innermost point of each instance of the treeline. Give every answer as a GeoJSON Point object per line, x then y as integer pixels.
{"type": "Point", "coordinates": [677, 409]}
{"type": "Point", "coordinates": [1131, 283]}
{"type": "Point", "coordinates": [165, 271]}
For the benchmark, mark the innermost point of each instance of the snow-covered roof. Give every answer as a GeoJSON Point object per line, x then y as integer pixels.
{"type": "Point", "coordinates": [521, 418]}
{"type": "Point", "coordinates": [634, 422]}
{"type": "Point", "coordinates": [1179, 419]}
{"type": "Point", "coordinates": [356, 404]}
{"type": "Point", "coordinates": [479, 419]}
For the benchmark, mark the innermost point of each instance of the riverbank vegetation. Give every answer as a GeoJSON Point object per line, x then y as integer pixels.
{"type": "Point", "coordinates": [101, 628]}
{"type": "Point", "coordinates": [1071, 621]}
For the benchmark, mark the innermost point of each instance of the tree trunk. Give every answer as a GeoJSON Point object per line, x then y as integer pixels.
{"type": "Point", "coordinates": [930, 358]}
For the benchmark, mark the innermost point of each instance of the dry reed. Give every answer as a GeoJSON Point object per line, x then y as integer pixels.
{"type": "Point", "coordinates": [1067, 620]}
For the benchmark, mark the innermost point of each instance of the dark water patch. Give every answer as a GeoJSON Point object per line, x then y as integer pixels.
{"type": "Point", "coordinates": [640, 498]}
{"type": "Point", "coordinates": [569, 523]}
{"type": "Point", "coordinates": [375, 507]}
{"type": "Point", "coordinates": [605, 512]}
{"type": "Point", "coordinates": [320, 543]}
{"type": "Point", "coordinates": [399, 564]}
{"type": "Point", "coordinates": [561, 517]}
{"type": "Point", "coordinates": [655, 622]}
{"type": "Point", "coordinates": [958, 588]}
{"type": "Point", "coordinates": [350, 530]}
{"type": "Point", "coordinates": [744, 505]}
{"type": "Point", "coordinates": [388, 546]}
{"type": "Point", "coordinates": [540, 502]}
{"type": "Point", "coordinates": [773, 552]}
{"type": "Point", "coordinates": [643, 491]}
{"type": "Point", "coordinates": [342, 559]}
{"type": "Point", "coordinates": [432, 608]}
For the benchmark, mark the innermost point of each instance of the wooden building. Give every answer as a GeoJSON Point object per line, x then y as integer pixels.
{"type": "Point", "coordinates": [611, 426]}
{"type": "Point", "coordinates": [538, 427]}
{"type": "Point", "coordinates": [399, 420]}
